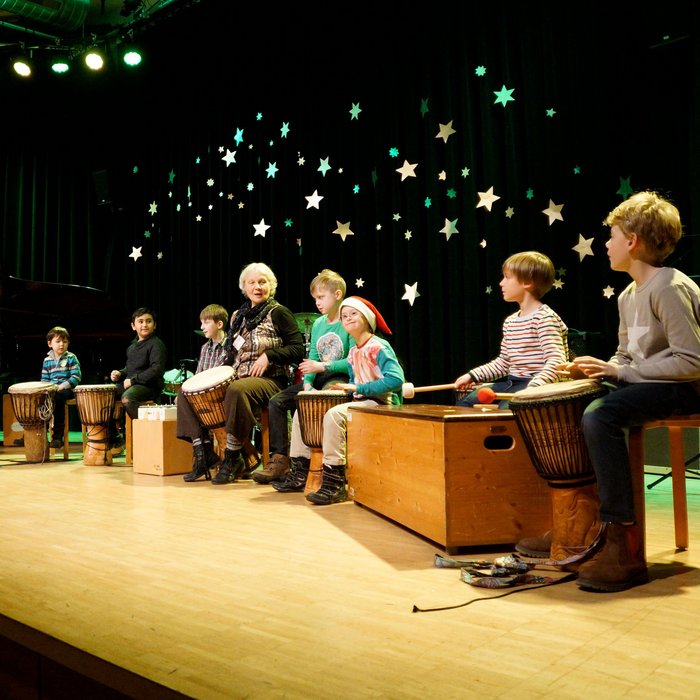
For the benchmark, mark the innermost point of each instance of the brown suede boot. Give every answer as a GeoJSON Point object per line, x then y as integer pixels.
{"type": "Point", "coordinates": [276, 468]}
{"type": "Point", "coordinates": [618, 564]}
{"type": "Point", "coordinates": [537, 547]}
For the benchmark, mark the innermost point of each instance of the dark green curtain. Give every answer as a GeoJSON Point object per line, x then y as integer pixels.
{"type": "Point", "coordinates": [603, 102]}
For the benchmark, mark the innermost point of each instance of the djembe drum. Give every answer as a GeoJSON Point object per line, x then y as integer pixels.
{"type": "Point", "coordinates": [549, 418]}
{"type": "Point", "coordinates": [95, 404]}
{"type": "Point", "coordinates": [33, 404]}
{"type": "Point", "coordinates": [205, 392]}
{"type": "Point", "coordinates": [312, 407]}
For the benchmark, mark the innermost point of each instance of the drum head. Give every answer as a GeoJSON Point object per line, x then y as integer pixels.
{"type": "Point", "coordinates": [207, 379]}
{"type": "Point", "coordinates": [30, 387]}
{"type": "Point", "coordinates": [323, 393]}
{"type": "Point", "coordinates": [105, 388]}
{"type": "Point", "coordinates": [570, 387]}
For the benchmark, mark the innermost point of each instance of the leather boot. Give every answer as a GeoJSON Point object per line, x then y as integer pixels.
{"type": "Point", "coordinates": [276, 468]}
{"type": "Point", "coordinates": [538, 547]}
{"type": "Point", "coordinates": [230, 468]}
{"type": "Point", "coordinates": [619, 563]}
{"type": "Point", "coordinates": [332, 487]}
{"type": "Point", "coordinates": [204, 459]}
{"type": "Point", "coordinates": [295, 480]}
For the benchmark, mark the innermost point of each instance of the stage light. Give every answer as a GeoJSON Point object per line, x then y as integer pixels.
{"type": "Point", "coordinates": [59, 63]}
{"type": "Point", "coordinates": [22, 64]}
{"type": "Point", "coordinates": [131, 56]}
{"type": "Point", "coordinates": [94, 59]}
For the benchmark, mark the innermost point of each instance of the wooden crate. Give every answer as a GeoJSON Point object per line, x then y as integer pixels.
{"type": "Point", "coordinates": [458, 476]}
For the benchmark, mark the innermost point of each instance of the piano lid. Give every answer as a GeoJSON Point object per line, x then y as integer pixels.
{"type": "Point", "coordinates": [30, 308]}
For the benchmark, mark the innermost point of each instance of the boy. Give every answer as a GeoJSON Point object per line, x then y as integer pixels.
{"type": "Point", "coordinates": [534, 340]}
{"type": "Point", "coordinates": [63, 369]}
{"type": "Point", "coordinates": [375, 378]}
{"type": "Point", "coordinates": [654, 373]}
{"type": "Point", "coordinates": [327, 362]}
{"type": "Point", "coordinates": [142, 377]}
{"type": "Point", "coordinates": [213, 319]}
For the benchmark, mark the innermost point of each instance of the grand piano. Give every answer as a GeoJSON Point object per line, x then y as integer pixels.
{"type": "Point", "coordinates": [99, 328]}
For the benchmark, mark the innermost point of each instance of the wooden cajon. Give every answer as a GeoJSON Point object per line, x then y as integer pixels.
{"type": "Point", "coordinates": [458, 476]}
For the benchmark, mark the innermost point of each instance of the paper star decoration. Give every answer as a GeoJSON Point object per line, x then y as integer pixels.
{"type": "Point", "coordinates": [483, 243]}
{"type": "Point", "coordinates": [407, 170]}
{"type": "Point", "coordinates": [553, 212]}
{"type": "Point", "coordinates": [260, 228]}
{"type": "Point", "coordinates": [442, 175]}
{"type": "Point", "coordinates": [393, 152]}
{"type": "Point", "coordinates": [171, 177]}
{"type": "Point", "coordinates": [135, 253]}
{"type": "Point", "coordinates": [558, 284]}
{"type": "Point", "coordinates": [583, 247]}
{"type": "Point", "coordinates": [355, 111]}
{"type": "Point", "coordinates": [465, 172]}
{"type": "Point", "coordinates": [411, 293]}
{"type": "Point", "coordinates": [445, 132]}
{"type": "Point", "coordinates": [284, 130]}
{"type": "Point", "coordinates": [486, 199]}
{"type": "Point", "coordinates": [359, 282]}
{"type": "Point", "coordinates": [229, 158]}
{"type": "Point", "coordinates": [343, 230]}
{"type": "Point", "coordinates": [396, 216]}
{"type": "Point", "coordinates": [324, 167]}
{"type": "Point", "coordinates": [160, 255]}
{"type": "Point", "coordinates": [551, 112]}
{"type": "Point", "coordinates": [272, 170]}
{"type": "Point", "coordinates": [313, 200]}
{"type": "Point", "coordinates": [424, 106]}
{"type": "Point", "coordinates": [480, 71]}
{"type": "Point", "coordinates": [408, 234]}
{"type": "Point", "coordinates": [449, 229]}
{"type": "Point", "coordinates": [153, 208]}
{"type": "Point", "coordinates": [509, 212]}
{"type": "Point", "coordinates": [608, 292]}
{"type": "Point", "coordinates": [504, 95]}
{"type": "Point", "coordinates": [238, 138]}
{"type": "Point", "coordinates": [625, 189]}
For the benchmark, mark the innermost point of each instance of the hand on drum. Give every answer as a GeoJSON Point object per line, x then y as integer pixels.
{"type": "Point", "coordinates": [586, 366]}
{"type": "Point", "coordinates": [342, 387]}
{"type": "Point", "coordinates": [464, 382]}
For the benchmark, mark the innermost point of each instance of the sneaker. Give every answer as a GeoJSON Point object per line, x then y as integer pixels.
{"type": "Point", "coordinates": [56, 444]}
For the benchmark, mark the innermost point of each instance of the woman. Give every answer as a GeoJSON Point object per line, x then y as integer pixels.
{"type": "Point", "coordinates": [263, 338]}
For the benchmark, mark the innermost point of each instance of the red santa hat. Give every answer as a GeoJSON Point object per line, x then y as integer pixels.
{"type": "Point", "coordinates": [369, 311]}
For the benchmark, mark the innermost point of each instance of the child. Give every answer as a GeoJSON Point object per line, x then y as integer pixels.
{"type": "Point", "coordinates": [63, 369]}
{"type": "Point", "coordinates": [654, 373]}
{"type": "Point", "coordinates": [327, 362]}
{"type": "Point", "coordinates": [142, 378]}
{"type": "Point", "coordinates": [213, 319]}
{"type": "Point", "coordinates": [534, 339]}
{"type": "Point", "coordinates": [375, 378]}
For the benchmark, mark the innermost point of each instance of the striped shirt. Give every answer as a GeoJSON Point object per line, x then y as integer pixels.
{"type": "Point", "coordinates": [531, 348]}
{"type": "Point", "coordinates": [61, 370]}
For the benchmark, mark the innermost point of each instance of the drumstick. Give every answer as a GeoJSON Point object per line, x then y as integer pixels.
{"type": "Point", "coordinates": [487, 395]}
{"type": "Point", "coordinates": [408, 391]}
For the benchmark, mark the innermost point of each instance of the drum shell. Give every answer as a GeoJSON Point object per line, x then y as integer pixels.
{"type": "Point", "coordinates": [205, 392]}
{"type": "Point", "coordinates": [27, 400]}
{"type": "Point", "coordinates": [95, 403]}
{"type": "Point", "coordinates": [551, 430]}
{"type": "Point", "coordinates": [312, 407]}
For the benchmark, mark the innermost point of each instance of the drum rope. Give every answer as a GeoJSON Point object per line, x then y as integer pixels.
{"type": "Point", "coordinates": [46, 409]}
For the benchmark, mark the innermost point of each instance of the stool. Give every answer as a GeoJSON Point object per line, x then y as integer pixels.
{"type": "Point", "coordinates": [66, 429]}
{"type": "Point", "coordinates": [675, 426]}
{"type": "Point", "coordinates": [129, 436]}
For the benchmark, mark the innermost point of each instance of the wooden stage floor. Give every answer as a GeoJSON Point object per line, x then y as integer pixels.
{"type": "Point", "coordinates": [154, 588]}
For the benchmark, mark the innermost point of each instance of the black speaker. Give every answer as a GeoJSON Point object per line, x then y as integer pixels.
{"type": "Point", "coordinates": [101, 187]}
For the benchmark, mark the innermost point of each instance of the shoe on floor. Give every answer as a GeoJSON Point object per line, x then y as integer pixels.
{"type": "Point", "coordinates": [56, 444]}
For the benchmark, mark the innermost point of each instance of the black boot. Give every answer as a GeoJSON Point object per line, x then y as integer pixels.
{"type": "Point", "coordinates": [295, 479]}
{"type": "Point", "coordinates": [204, 459]}
{"type": "Point", "coordinates": [230, 468]}
{"type": "Point", "coordinates": [332, 487]}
